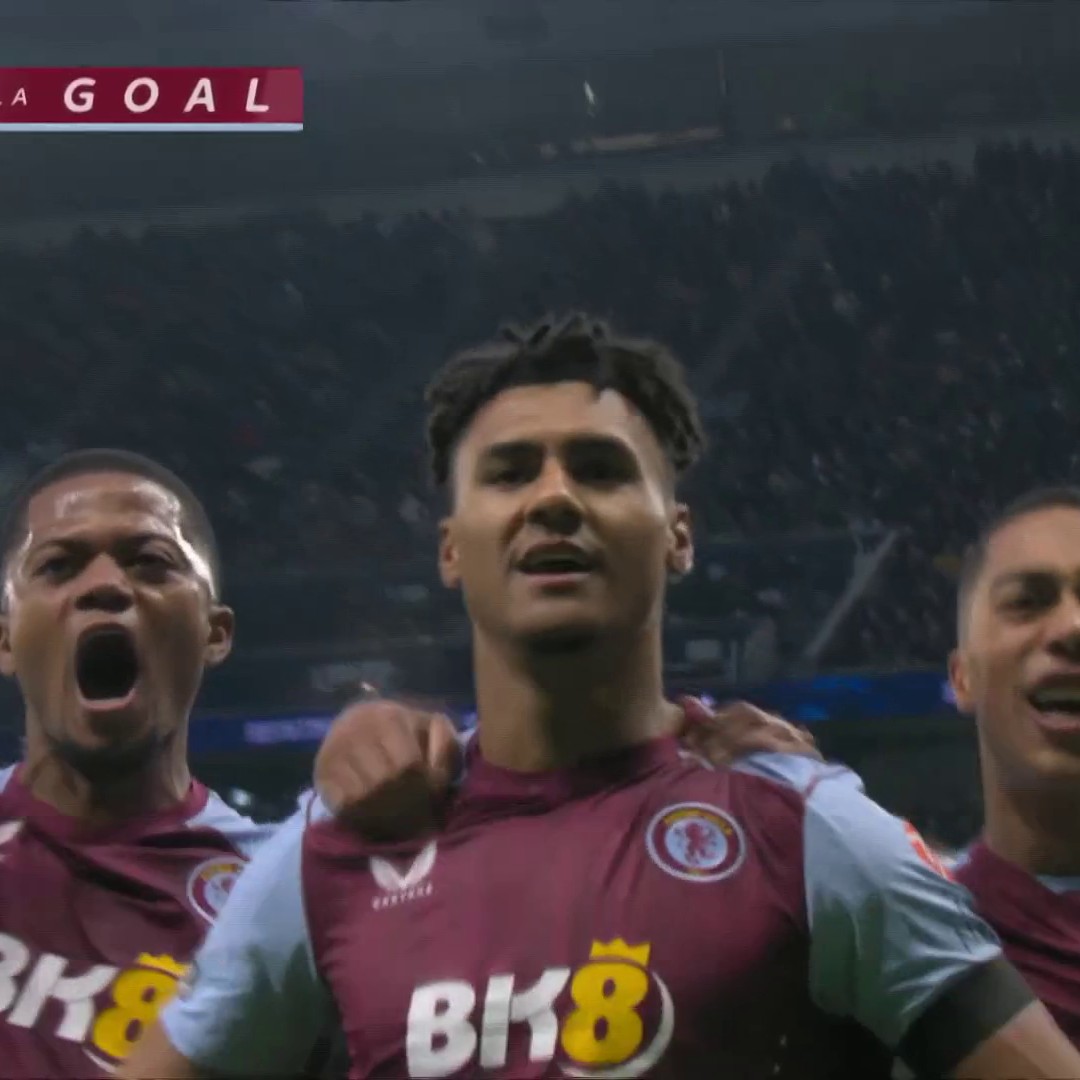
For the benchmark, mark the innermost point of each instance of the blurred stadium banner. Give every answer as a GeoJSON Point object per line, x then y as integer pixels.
{"type": "Point", "coordinates": [855, 697]}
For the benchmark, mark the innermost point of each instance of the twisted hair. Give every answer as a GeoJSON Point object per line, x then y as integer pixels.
{"type": "Point", "coordinates": [578, 348]}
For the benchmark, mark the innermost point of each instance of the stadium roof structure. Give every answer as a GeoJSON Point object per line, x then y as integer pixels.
{"type": "Point", "coordinates": [396, 93]}
{"type": "Point", "coordinates": [360, 37]}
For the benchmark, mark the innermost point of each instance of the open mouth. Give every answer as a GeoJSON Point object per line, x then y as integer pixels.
{"type": "Point", "coordinates": [556, 561]}
{"type": "Point", "coordinates": [106, 664]}
{"type": "Point", "coordinates": [1057, 698]}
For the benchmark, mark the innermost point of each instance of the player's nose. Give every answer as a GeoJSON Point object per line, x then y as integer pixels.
{"type": "Point", "coordinates": [1064, 639]}
{"type": "Point", "coordinates": [103, 586]}
{"type": "Point", "coordinates": [554, 503]}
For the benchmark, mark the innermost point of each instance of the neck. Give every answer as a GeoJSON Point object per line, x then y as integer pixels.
{"type": "Point", "coordinates": [1037, 831]}
{"type": "Point", "coordinates": [541, 712]}
{"type": "Point", "coordinates": [156, 784]}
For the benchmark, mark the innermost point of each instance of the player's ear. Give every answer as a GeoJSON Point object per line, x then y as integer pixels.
{"type": "Point", "coordinates": [448, 555]}
{"type": "Point", "coordinates": [960, 682]}
{"type": "Point", "coordinates": [7, 657]}
{"type": "Point", "coordinates": [680, 555]}
{"type": "Point", "coordinates": [219, 640]}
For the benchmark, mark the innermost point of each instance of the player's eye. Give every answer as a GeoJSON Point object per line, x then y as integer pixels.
{"type": "Point", "coordinates": [54, 566]}
{"type": "Point", "coordinates": [152, 566]}
{"type": "Point", "coordinates": [153, 563]}
{"type": "Point", "coordinates": [1030, 601]}
{"type": "Point", "coordinates": [601, 470]}
{"type": "Point", "coordinates": [506, 475]}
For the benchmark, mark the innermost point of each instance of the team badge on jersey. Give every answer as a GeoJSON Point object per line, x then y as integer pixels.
{"type": "Point", "coordinates": [695, 842]}
{"type": "Point", "coordinates": [210, 884]}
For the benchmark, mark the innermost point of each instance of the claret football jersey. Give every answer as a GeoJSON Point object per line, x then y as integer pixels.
{"type": "Point", "coordinates": [1038, 921]}
{"type": "Point", "coordinates": [96, 928]}
{"type": "Point", "coordinates": [642, 915]}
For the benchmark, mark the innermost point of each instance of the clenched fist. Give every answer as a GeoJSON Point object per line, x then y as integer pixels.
{"type": "Point", "coordinates": [386, 768]}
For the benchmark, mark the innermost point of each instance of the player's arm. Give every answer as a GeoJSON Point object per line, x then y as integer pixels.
{"type": "Point", "coordinates": [1029, 1045]}
{"type": "Point", "coordinates": [896, 946]}
{"type": "Point", "coordinates": [253, 1003]}
{"type": "Point", "coordinates": [155, 1058]}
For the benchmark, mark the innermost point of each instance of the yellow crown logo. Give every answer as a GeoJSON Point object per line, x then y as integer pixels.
{"type": "Point", "coordinates": [165, 964]}
{"type": "Point", "coordinates": [636, 954]}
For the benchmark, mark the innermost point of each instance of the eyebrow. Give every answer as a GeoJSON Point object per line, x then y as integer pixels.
{"type": "Point", "coordinates": [1023, 577]}
{"type": "Point", "coordinates": [77, 543]}
{"type": "Point", "coordinates": [509, 449]}
{"type": "Point", "coordinates": [522, 447]}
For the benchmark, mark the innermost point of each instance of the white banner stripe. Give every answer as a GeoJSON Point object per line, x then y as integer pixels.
{"type": "Point", "coordinates": [68, 126]}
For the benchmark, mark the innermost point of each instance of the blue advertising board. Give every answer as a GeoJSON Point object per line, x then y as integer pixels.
{"type": "Point", "coordinates": [805, 701]}
{"type": "Point", "coordinates": [809, 701]}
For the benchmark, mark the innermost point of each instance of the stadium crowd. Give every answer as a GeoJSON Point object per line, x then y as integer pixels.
{"type": "Point", "coordinates": [891, 348]}
{"type": "Point", "coordinates": [882, 360]}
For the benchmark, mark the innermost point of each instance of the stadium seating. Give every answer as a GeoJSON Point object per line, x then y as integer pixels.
{"type": "Point", "coordinates": [914, 366]}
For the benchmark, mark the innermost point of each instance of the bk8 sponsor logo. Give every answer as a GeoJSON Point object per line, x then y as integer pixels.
{"type": "Point", "coordinates": [105, 1008]}
{"type": "Point", "coordinates": [610, 1017]}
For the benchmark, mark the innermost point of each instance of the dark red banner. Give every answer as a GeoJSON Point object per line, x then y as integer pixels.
{"type": "Point", "coordinates": [151, 99]}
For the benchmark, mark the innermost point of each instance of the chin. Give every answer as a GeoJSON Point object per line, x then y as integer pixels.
{"type": "Point", "coordinates": [113, 759]}
{"type": "Point", "coordinates": [562, 639]}
{"type": "Point", "coordinates": [1057, 765]}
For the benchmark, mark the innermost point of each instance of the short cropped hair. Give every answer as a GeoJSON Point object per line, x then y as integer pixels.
{"type": "Point", "coordinates": [578, 348]}
{"type": "Point", "coordinates": [196, 522]}
{"type": "Point", "coordinates": [971, 566]}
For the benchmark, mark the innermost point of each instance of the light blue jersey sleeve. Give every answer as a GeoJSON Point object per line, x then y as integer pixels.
{"type": "Point", "coordinates": [888, 933]}
{"type": "Point", "coordinates": [243, 833]}
{"type": "Point", "coordinates": [253, 1003]}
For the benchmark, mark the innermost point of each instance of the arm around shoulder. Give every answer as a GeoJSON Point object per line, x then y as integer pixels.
{"type": "Point", "coordinates": [252, 1002]}
{"type": "Point", "coordinates": [155, 1058]}
{"type": "Point", "coordinates": [1029, 1046]}
{"type": "Point", "coordinates": [896, 946]}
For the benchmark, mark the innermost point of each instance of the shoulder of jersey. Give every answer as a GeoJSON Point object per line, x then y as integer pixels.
{"type": "Point", "coordinates": [243, 833]}
{"type": "Point", "coordinates": [793, 773]}
{"type": "Point", "coordinates": [959, 862]}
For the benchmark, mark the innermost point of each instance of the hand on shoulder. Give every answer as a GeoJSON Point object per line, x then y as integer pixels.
{"type": "Point", "coordinates": [737, 729]}
{"type": "Point", "coordinates": [386, 767]}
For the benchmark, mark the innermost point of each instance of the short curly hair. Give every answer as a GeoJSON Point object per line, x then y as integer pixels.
{"type": "Point", "coordinates": [578, 348]}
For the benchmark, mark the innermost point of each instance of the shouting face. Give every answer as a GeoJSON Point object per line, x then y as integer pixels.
{"type": "Point", "coordinates": [1017, 668]}
{"type": "Point", "coordinates": [109, 619]}
{"type": "Point", "coordinates": [564, 528]}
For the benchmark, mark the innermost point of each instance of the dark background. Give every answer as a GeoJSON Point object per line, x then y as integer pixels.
{"type": "Point", "coordinates": [856, 223]}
